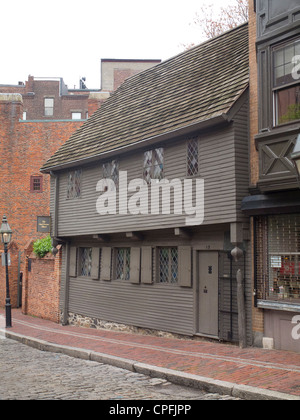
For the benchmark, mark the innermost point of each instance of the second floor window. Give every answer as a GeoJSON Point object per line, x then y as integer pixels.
{"type": "Point", "coordinates": [74, 184]}
{"type": "Point", "coordinates": [49, 107]}
{"type": "Point", "coordinates": [286, 83]}
{"type": "Point", "coordinates": [111, 171]}
{"type": "Point", "coordinates": [153, 167]}
{"type": "Point", "coordinates": [192, 157]}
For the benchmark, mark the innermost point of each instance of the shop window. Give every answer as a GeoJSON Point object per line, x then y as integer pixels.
{"type": "Point", "coordinates": [278, 258]}
{"type": "Point", "coordinates": [123, 263]}
{"type": "Point", "coordinates": [74, 184]}
{"type": "Point", "coordinates": [192, 157]}
{"type": "Point", "coordinates": [168, 265]}
{"type": "Point", "coordinates": [286, 83]}
{"type": "Point", "coordinates": [153, 165]}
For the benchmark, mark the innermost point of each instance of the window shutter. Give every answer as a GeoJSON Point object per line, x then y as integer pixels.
{"type": "Point", "coordinates": [146, 274]}
{"type": "Point", "coordinates": [135, 265]}
{"type": "Point", "coordinates": [73, 262]}
{"type": "Point", "coordinates": [95, 263]}
{"type": "Point", "coordinates": [185, 266]}
{"type": "Point", "coordinates": [106, 264]}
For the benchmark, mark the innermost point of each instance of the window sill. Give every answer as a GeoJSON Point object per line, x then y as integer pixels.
{"type": "Point", "coordinates": [278, 306]}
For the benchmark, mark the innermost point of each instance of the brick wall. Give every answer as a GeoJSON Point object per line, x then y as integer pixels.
{"type": "Point", "coordinates": [41, 286]}
{"type": "Point", "coordinates": [257, 314]}
{"type": "Point", "coordinates": [24, 147]}
{"type": "Point", "coordinates": [254, 164]}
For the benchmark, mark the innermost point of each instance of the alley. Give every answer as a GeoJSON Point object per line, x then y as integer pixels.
{"type": "Point", "coordinates": [30, 374]}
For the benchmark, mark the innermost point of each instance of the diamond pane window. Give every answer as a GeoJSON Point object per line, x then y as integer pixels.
{"type": "Point", "coordinates": [192, 157]}
{"type": "Point", "coordinates": [111, 171]}
{"type": "Point", "coordinates": [85, 261]}
{"type": "Point", "coordinates": [153, 167]}
{"type": "Point", "coordinates": [74, 184]}
{"type": "Point", "coordinates": [168, 265]}
{"type": "Point", "coordinates": [123, 263]}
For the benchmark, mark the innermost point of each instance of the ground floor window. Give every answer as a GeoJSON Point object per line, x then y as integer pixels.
{"type": "Point", "coordinates": [123, 263]}
{"type": "Point", "coordinates": [168, 265]}
{"type": "Point", "coordinates": [278, 258]}
{"type": "Point", "coordinates": [85, 262]}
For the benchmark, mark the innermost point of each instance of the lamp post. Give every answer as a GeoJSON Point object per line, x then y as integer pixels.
{"type": "Point", "coordinates": [296, 156]}
{"type": "Point", "coordinates": [6, 234]}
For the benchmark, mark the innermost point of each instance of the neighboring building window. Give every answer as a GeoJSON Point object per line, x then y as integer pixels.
{"type": "Point", "coordinates": [85, 262]}
{"type": "Point", "coordinates": [111, 171]}
{"type": "Point", "coordinates": [286, 83]}
{"type": "Point", "coordinates": [278, 258]}
{"type": "Point", "coordinates": [36, 184]}
{"type": "Point", "coordinates": [153, 165]}
{"type": "Point", "coordinates": [168, 265]}
{"type": "Point", "coordinates": [192, 157]}
{"type": "Point", "coordinates": [123, 263]}
{"type": "Point", "coordinates": [74, 184]}
{"type": "Point", "coordinates": [24, 115]}
{"type": "Point", "coordinates": [76, 115]}
{"type": "Point", "coordinates": [49, 107]}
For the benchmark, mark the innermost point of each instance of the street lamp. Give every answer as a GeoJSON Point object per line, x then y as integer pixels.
{"type": "Point", "coordinates": [6, 234]}
{"type": "Point", "coordinates": [296, 156]}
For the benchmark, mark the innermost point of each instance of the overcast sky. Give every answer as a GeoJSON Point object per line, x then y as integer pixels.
{"type": "Point", "coordinates": [67, 38]}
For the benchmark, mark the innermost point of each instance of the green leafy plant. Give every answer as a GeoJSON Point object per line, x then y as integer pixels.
{"type": "Point", "coordinates": [42, 246]}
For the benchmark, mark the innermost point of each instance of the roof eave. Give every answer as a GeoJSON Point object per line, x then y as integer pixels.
{"type": "Point", "coordinates": [150, 141]}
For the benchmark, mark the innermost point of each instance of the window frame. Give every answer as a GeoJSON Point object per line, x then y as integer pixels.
{"type": "Point", "coordinates": [188, 142]}
{"type": "Point", "coordinates": [151, 167]}
{"type": "Point", "coordinates": [169, 281]}
{"type": "Point", "coordinates": [72, 191]}
{"type": "Point", "coordinates": [33, 178]}
{"type": "Point", "coordinates": [111, 170]}
{"type": "Point", "coordinates": [51, 114]}
{"type": "Point", "coordinates": [126, 264]}
{"type": "Point", "coordinates": [80, 266]}
{"type": "Point", "coordinates": [285, 86]}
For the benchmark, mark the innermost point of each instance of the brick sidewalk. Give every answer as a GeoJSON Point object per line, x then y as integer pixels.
{"type": "Point", "coordinates": [277, 371]}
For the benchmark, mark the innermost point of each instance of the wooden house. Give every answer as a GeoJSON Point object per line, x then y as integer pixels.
{"type": "Point", "coordinates": [146, 197]}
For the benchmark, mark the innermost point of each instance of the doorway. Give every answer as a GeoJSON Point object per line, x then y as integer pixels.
{"type": "Point", "coordinates": [208, 294]}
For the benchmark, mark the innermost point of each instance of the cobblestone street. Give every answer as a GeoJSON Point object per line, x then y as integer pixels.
{"type": "Point", "coordinates": [29, 374]}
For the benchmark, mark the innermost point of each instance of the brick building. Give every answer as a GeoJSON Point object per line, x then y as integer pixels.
{"type": "Point", "coordinates": [274, 203]}
{"type": "Point", "coordinates": [36, 118]}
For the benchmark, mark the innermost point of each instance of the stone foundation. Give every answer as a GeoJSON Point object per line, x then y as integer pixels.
{"type": "Point", "coordinates": [87, 322]}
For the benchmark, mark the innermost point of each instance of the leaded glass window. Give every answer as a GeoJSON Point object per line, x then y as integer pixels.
{"type": "Point", "coordinates": [85, 262]}
{"type": "Point", "coordinates": [168, 265]}
{"type": "Point", "coordinates": [192, 157]}
{"type": "Point", "coordinates": [111, 171]}
{"type": "Point", "coordinates": [153, 165]}
{"type": "Point", "coordinates": [123, 263]}
{"type": "Point", "coordinates": [74, 184]}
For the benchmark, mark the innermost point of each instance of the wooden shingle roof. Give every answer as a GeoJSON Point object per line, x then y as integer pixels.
{"type": "Point", "coordinates": [194, 86]}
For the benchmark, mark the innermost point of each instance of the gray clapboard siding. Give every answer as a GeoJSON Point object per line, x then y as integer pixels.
{"type": "Point", "coordinates": [217, 163]}
{"type": "Point", "coordinates": [155, 306]}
